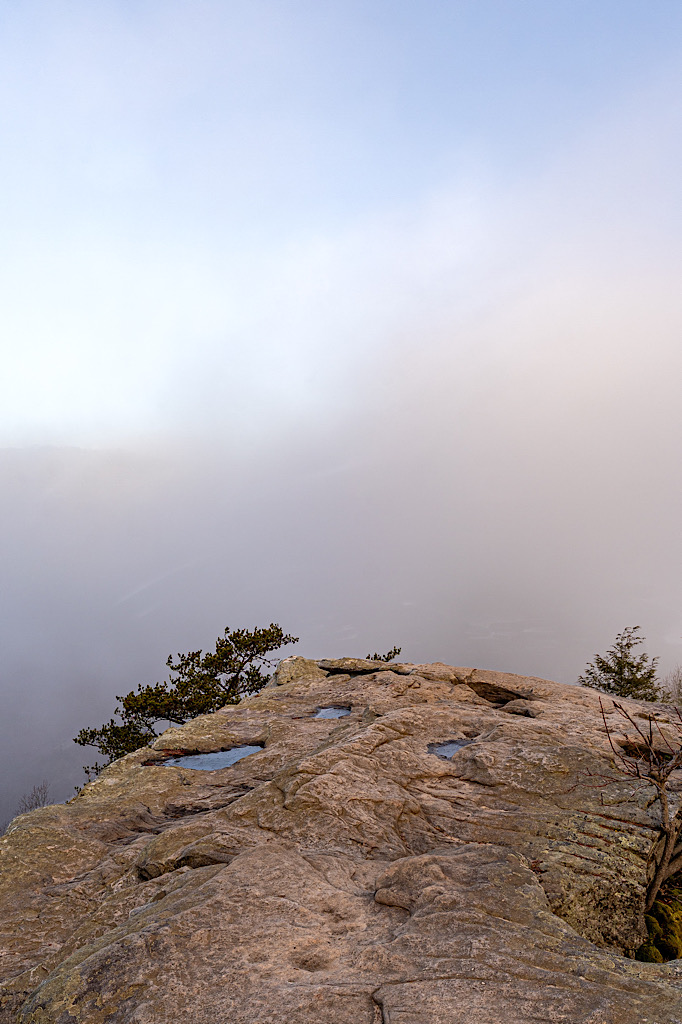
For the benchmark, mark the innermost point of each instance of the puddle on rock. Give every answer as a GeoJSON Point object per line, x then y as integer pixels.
{"type": "Point", "coordinates": [446, 750]}
{"type": "Point", "coordinates": [213, 761]}
{"type": "Point", "coordinates": [332, 713]}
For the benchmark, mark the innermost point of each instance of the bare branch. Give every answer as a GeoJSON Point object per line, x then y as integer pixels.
{"type": "Point", "coordinates": [38, 797]}
{"type": "Point", "coordinates": [653, 767]}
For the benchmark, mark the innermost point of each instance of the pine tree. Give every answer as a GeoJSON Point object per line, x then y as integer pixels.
{"type": "Point", "coordinates": [199, 683]}
{"type": "Point", "coordinates": [621, 672]}
{"type": "Point", "coordinates": [389, 656]}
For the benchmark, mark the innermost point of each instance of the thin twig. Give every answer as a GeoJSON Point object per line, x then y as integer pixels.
{"type": "Point", "coordinates": [652, 767]}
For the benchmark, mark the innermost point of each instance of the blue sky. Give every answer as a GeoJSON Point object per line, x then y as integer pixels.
{"type": "Point", "coordinates": [239, 186]}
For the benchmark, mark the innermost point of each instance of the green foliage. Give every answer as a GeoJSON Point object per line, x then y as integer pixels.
{"type": "Point", "coordinates": [621, 672]}
{"type": "Point", "coordinates": [199, 683]}
{"type": "Point", "coordinates": [389, 656]}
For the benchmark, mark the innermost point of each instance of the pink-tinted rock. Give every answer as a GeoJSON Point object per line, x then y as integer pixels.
{"type": "Point", "coordinates": [345, 873]}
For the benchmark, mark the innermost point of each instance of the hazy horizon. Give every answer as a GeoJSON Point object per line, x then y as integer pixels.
{"type": "Point", "coordinates": [360, 319]}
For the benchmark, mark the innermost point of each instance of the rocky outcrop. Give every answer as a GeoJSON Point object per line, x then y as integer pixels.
{"type": "Point", "coordinates": [346, 872]}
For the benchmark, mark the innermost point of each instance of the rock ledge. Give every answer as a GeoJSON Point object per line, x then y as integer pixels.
{"type": "Point", "coordinates": [344, 873]}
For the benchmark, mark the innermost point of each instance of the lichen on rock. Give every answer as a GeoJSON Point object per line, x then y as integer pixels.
{"type": "Point", "coordinates": [346, 872]}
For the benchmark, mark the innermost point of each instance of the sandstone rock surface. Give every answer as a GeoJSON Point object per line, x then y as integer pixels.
{"type": "Point", "coordinates": [346, 873]}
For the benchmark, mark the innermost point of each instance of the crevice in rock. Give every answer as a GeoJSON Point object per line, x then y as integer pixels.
{"type": "Point", "coordinates": [379, 1016]}
{"type": "Point", "coordinates": [354, 667]}
{"type": "Point", "coordinates": [190, 859]}
{"type": "Point", "coordinates": [176, 811]}
{"type": "Point", "coordinates": [497, 695]}
{"type": "Point", "coordinates": [354, 673]}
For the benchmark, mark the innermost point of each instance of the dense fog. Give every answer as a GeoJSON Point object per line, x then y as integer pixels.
{"type": "Point", "coordinates": [516, 520]}
{"type": "Point", "coordinates": [360, 319]}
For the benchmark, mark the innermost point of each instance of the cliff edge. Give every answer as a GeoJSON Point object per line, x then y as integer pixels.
{"type": "Point", "coordinates": [446, 850]}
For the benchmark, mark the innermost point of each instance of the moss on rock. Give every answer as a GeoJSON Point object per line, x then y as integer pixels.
{"type": "Point", "coordinates": [664, 924]}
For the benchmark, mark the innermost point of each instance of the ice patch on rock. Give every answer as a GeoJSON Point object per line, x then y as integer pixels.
{"type": "Point", "coordinates": [332, 713]}
{"type": "Point", "coordinates": [212, 761]}
{"type": "Point", "coordinates": [446, 750]}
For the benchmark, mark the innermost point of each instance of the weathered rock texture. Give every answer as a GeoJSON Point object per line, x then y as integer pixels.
{"type": "Point", "coordinates": [345, 874]}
